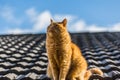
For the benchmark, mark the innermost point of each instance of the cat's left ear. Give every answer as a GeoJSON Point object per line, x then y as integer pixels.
{"type": "Point", "coordinates": [51, 21]}
{"type": "Point", "coordinates": [64, 22]}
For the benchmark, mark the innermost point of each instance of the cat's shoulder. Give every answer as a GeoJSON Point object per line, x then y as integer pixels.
{"type": "Point", "coordinates": [73, 45]}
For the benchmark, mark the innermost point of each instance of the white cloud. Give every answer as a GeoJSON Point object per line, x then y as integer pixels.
{"type": "Point", "coordinates": [60, 17]}
{"type": "Point", "coordinates": [77, 26]}
{"type": "Point", "coordinates": [19, 31]}
{"type": "Point", "coordinates": [115, 27]}
{"type": "Point", "coordinates": [94, 28]}
{"type": "Point", "coordinates": [32, 14]}
{"type": "Point", "coordinates": [42, 20]}
{"type": "Point", "coordinates": [81, 26]}
{"type": "Point", "coordinates": [7, 13]}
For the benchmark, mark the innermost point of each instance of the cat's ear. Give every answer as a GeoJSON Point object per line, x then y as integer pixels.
{"type": "Point", "coordinates": [64, 22]}
{"type": "Point", "coordinates": [51, 21]}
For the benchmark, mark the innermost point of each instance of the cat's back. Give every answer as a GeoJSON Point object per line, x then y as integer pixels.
{"type": "Point", "coordinates": [77, 57]}
{"type": "Point", "coordinates": [76, 50]}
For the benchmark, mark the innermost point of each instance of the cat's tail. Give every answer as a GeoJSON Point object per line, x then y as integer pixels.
{"type": "Point", "coordinates": [93, 71]}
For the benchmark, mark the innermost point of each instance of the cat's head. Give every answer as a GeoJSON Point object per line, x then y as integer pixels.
{"type": "Point", "coordinates": [56, 28]}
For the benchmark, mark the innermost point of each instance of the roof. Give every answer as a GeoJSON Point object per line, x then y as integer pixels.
{"type": "Point", "coordinates": [23, 57]}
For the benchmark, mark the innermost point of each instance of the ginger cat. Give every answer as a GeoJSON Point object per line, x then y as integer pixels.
{"type": "Point", "coordinates": [65, 58]}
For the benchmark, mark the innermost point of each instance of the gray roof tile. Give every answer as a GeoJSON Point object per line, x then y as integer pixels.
{"type": "Point", "coordinates": [24, 57]}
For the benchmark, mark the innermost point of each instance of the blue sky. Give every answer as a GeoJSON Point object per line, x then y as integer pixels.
{"type": "Point", "coordinates": [33, 16]}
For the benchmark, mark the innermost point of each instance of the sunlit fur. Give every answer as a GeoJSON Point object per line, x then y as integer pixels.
{"type": "Point", "coordinates": [65, 58]}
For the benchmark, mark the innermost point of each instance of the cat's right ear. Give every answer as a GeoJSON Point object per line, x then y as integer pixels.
{"type": "Point", "coordinates": [64, 22]}
{"type": "Point", "coordinates": [51, 21]}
